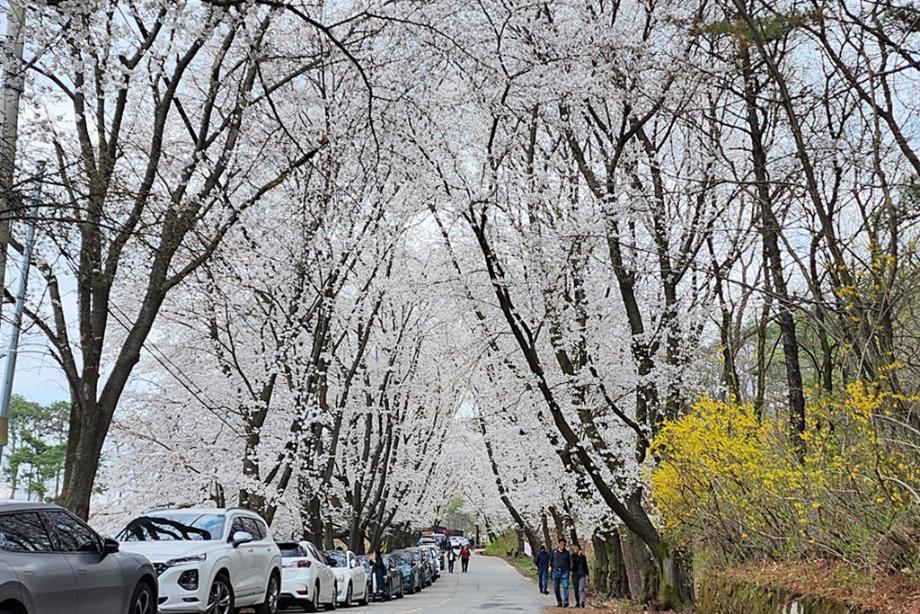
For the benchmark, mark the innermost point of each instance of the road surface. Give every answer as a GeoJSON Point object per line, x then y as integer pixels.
{"type": "Point", "coordinates": [490, 586]}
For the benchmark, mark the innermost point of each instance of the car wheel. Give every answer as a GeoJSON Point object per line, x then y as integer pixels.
{"type": "Point", "coordinates": [220, 597]}
{"type": "Point", "coordinates": [272, 594]}
{"type": "Point", "coordinates": [314, 603]}
{"type": "Point", "coordinates": [364, 598]}
{"type": "Point", "coordinates": [348, 603]}
{"type": "Point", "coordinates": [335, 598]}
{"type": "Point", "coordinates": [141, 601]}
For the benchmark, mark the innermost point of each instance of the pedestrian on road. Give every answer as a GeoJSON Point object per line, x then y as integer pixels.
{"type": "Point", "coordinates": [465, 558]}
{"type": "Point", "coordinates": [561, 564]}
{"type": "Point", "coordinates": [542, 562]}
{"type": "Point", "coordinates": [579, 576]}
{"type": "Point", "coordinates": [451, 559]}
{"type": "Point", "coordinates": [380, 572]}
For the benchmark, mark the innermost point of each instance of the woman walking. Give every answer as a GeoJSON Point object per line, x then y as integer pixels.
{"type": "Point", "coordinates": [465, 558]}
{"type": "Point", "coordinates": [451, 559]}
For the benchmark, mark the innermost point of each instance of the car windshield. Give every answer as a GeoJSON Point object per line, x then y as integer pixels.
{"type": "Point", "coordinates": [336, 558]}
{"type": "Point", "coordinates": [174, 527]}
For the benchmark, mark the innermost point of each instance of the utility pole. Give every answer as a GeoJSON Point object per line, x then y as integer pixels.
{"type": "Point", "coordinates": [9, 367]}
{"type": "Point", "coordinates": [13, 83]}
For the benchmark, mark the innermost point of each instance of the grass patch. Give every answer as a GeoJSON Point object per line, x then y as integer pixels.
{"type": "Point", "coordinates": [502, 545]}
{"type": "Point", "coordinates": [526, 566]}
{"type": "Point", "coordinates": [505, 543]}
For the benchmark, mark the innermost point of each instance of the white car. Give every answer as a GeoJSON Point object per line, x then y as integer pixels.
{"type": "Point", "coordinates": [306, 580]}
{"type": "Point", "coordinates": [456, 542]}
{"type": "Point", "coordinates": [350, 575]}
{"type": "Point", "coordinates": [208, 560]}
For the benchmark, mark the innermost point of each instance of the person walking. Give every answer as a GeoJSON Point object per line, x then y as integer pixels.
{"type": "Point", "coordinates": [465, 558]}
{"type": "Point", "coordinates": [579, 576]}
{"type": "Point", "coordinates": [451, 559]}
{"type": "Point", "coordinates": [542, 562]}
{"type": "Point", "coordinates": [561, 563]}
{"type": "Point", "coordinates": [380, 573]}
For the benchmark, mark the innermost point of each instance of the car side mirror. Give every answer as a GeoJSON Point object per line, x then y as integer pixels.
{"type": "Point", "coordinates": [241, 537]}
{"type": "Point", "coordinates": [353, 564]}
{"type": "Point", "coordinates": [109, 546]}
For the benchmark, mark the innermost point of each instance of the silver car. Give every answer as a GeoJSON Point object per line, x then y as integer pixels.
{"type": "Point", "coordinates": [51, 562]}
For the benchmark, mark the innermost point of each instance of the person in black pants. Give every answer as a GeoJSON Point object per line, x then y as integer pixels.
{"type": "Point", "coordinates": [561, 562]}
{"type": "Point", "coordinates": [579, 576]}
{"type": "Point", "coordinates": [543, 570]}
{"type": "Point", "coordinates": [380, 573]}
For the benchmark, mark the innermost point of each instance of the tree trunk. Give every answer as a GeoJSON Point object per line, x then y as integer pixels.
{"type": "Point", "coordinates": [600, 561]}
{"type": "Point", "coordinates": [547, 540]}
{"type": "Point", "coordinates": [83, 454]}
{"type": "Point", "coordinates": [770, 228]}
{"type": "Point", "coordinates": [615, 582]}
{"type": "Point", "coordinates": [641, 574]}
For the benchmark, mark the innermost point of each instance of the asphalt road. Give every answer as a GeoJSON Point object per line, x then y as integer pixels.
{"type": "Point", "coordinates": [491, 585]}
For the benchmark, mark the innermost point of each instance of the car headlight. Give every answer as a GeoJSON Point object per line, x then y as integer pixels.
{"type": "Point", "coordinates": [185, 560]}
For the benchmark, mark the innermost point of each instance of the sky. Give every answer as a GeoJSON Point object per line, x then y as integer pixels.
{"type": "Point", "coordinates": [38, 377]}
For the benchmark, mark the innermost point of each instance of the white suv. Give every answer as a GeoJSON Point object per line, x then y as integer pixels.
{"type": "Point", "coordinates": [208, 560]}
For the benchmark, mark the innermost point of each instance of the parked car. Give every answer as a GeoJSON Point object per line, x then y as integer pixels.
{"type": "Point", "coordinates": [393, 580]}
{"type": "Point", "coordinates": [416, 554]}
{"type": "Point", "coordinates": [456, 542]}
{"type": "Point", "coordinates": [411, 571]}
{"type": "Point", "coordinates": [306, 581]}
{"type": "Point", "coordinates": [208, 559]}
{"type": "Point", "coordinates": [435, 538]}
{"type": "Point", "coordinates": [352, 579]}
{"type": "Point", "coordinates": [429, 553]}
{"type": "Point", "coordinates": [439, 558]}
{"type": "Point", "coordinates": [51, 562]}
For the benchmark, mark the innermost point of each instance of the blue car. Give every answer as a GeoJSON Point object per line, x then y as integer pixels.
{"type": "Point", "coordinates": [411, 571]}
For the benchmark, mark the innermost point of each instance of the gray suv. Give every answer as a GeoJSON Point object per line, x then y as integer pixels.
{"type": "Point", "coordinates": [51, 562]}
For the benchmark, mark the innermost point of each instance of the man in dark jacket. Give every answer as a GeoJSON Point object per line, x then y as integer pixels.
{"type": "Point", "coordinates": [380, 573]}
{"type": "Point", "coordinates": [561, 562]}
{"type": "Point", "coordinates": [542, 562]}
{"type": "Point", "coordinates": [579, 576]}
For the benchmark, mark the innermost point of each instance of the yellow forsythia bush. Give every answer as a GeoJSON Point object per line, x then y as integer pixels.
{"type": "Point", "coordinates": [732, 482]}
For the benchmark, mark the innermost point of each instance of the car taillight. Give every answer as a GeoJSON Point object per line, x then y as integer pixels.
{"type": "Point", "coordinates": [297, 564]}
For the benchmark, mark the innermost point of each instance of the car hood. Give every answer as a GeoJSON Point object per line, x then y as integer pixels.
{"type": "Point", "coordinates": [160, 552]}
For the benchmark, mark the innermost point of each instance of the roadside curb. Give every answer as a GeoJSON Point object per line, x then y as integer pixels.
{"type": "Point", "coordinates": [515, 569]}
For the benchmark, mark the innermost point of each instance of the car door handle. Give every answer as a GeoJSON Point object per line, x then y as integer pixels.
{"type": "Point", "coordinates": [29, 574]}
{"type": "Point", "coordinates": [81, 572]}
